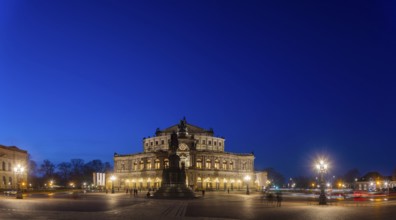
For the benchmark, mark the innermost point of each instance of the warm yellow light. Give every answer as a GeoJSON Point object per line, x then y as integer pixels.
{"type": "Point", "coordinates": [247, 178]}
{"type": "Point", "coordinates": [18, 168]}
{"type": "Point", "coordinates": [112, 178]}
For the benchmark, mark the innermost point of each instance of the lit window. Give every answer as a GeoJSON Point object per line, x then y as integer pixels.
{"type": "Point", "coordinates": [224, 165]}
{"type": "Point", "coordinates": [157, 164]}
{"type": "Point", "coordinates": [166, 163]}
{"type": "Point", "coordinates": [199, 164]}
{"type": "Point", "coordinates": [217, 164]}
{"type": "Point", "coordinates": [231, 166]}
{"type": "Point", "coordinates": [135, 166]}
{"type": "Point", "coordinates": [148, 165]}
{"type": "Point", "coordinates": [208, 164]}
{"type": "Point", "coordinates": [141, 165]}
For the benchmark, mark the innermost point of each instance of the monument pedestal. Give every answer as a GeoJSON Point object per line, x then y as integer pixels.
{"type": "Point", "coordinates": [174, 191]}
{"type": "Point", "coordinates": [174, 177]}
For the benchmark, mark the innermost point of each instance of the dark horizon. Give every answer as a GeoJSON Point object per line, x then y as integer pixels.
{"type": "Point", "coordinates": [289, 81]}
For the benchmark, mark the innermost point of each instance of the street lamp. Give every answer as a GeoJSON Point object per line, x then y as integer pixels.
{"type": "Point", "coordinates": [18, 171]}
{"type": "Point", "coordinates": [247, 179]}
{"type": "Point", "coordinates": [112, 178]}
{"type": "Point", "coordinates": [322, 169]}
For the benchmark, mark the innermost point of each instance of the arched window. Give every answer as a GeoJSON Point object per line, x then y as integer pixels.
{"type": "Point", "coordinates": [135, 166]}
{"type": "Point", "coordinates": [166, 163]}
{"type": "Point", "coordinates": [157, 164]}
{"type": "Point", "coordinates": [10, 181]}
{"type": "Point", "coordinates": [4, 166]}
{"type": "Point", "coordinates": [217, 164]}
{"type": "Point", "coordinates": [4, 181]}
{"type": "Point", "coordinates": [224, 165]}
{"type": "Point", "coordinates": [231, 165]}
{"type": "Point", "coordinates": [9, 166]}
{"type": "Point", "coordinates": [199, 163]}
{"type": "Point", "coordinates": [208, 164]}
{"type": "Point", "coordinates": [141, 165]}
{"type": "Point", "coordinates": [148, 164]}
{"type": "Point", "coordinates": [244, 166]}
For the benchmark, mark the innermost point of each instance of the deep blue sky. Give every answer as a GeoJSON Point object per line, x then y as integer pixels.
{"type": "Point", "coordinates": [288, 80]}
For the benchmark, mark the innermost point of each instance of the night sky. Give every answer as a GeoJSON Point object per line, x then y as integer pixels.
{"type": "Point", "coordinates": [288, 80]}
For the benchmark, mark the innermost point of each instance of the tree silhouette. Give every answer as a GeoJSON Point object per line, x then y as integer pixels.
{"type": "Point", "coordinates": [64, 172]}
{"type": "Point", "coordinates": [47, 169]}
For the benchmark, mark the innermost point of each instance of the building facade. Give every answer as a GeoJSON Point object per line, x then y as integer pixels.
{"type": "Point", "coordinates": [375, 185]}
{"type": "Point", "coordinates": [10, 158]}
{"type": "Point", "coordinates": [208, 165]}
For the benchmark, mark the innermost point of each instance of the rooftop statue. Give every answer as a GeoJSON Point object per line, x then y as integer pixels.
{"type": "Point", "coordinates": [183, 126]}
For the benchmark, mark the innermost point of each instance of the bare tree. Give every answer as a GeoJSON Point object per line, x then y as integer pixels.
{"type": "Point", "coordinates": [64, 171]}
{"type": "Point", "coordinates": [47, 169]}
{"type": "Point", "coordinates": [77, 170]}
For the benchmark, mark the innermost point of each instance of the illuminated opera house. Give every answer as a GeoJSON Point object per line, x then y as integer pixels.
{"type": "Point", "coordinates": [207, 165]}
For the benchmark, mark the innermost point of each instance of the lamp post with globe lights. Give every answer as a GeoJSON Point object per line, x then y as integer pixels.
{"type": "Point", "coordinates": [247, 179]}
{"type": "Point", "coordinates": [18, 171]}
{"type": "Point", "coordinates": [322, 169]}
{"type": "Point", "coordinates": [112, 178]}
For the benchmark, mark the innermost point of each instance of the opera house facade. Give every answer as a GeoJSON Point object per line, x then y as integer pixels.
{"type": "Point", "coordinates": [207, 165]}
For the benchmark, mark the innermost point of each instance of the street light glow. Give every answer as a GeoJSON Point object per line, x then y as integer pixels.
{"type": "Point", "coordinates": [112, 178]}
{"type": "Point", "coordinates": [247, 178]}
{"type": "Point", "coordinates": [18, 169]}
{"type": "Point", "coordinates": [322, 167]}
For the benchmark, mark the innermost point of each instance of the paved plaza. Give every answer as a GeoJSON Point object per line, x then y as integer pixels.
{"type": "Point", "coordinates": [214, 205]}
